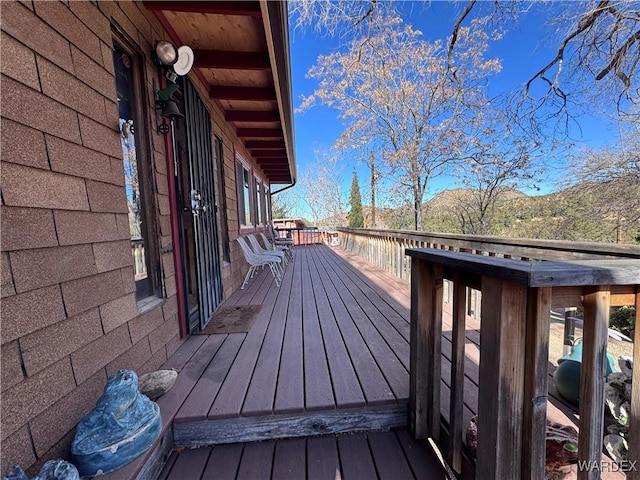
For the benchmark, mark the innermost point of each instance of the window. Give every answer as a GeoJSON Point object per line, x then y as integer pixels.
{"type": "Point", "coordinates": [259, 202]}
{"type": "Point", "coordinates": [222, 200]}
{"type": "Point", "coordinates": [136, 159]}
{"type": "Point", "coordinates": [266, 204]}
{"type": "Point", "coordinates": [243, 175]}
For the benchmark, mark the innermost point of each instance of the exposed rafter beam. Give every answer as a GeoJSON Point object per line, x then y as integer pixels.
{"type": "Point", "coordinates": [252, 116]}
{"type": "Point", "coordinates": [231, 60]}
{"type": "Point", "coordinates": [242, 93]}
{"type": "Point", "coordinates": [264, 144]}
{"type": "Point", "coordinates": [260, 132]}
{"type": "Point", "coordinates": [269, 153]}
{"type": "Point", "coordinates": [251, 9]}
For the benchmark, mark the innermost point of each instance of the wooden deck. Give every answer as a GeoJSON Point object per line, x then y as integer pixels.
{"type": "Point", "coordinates": [329, 353]}
{"type": "Point", "coordinates": [381, 455]}
{"type": "Point", "coordinates": [328, 357]}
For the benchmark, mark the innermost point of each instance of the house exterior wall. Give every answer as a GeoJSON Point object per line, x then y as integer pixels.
{"type": "Point", "coordinates": [69, 314]}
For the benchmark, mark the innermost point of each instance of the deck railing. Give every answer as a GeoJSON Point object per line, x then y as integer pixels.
{"type": "Point", "coordinates": [301, 236]}
{"type": "Point", "coordinates": [385, 248]}
{"type": "Point", "coordinates": [513, 369]}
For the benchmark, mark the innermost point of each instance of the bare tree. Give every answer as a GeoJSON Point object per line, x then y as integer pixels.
{"type": "Point", "coordinates": [500, 160]}
{"type": "Point", "coordinates": [612, 175]}
{"type": "Point", "coordinates": [320, 186]}
{"type": "Point", "coordinates": [393, 90]}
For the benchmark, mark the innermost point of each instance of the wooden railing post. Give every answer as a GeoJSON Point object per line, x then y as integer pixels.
{"type": "Point", "coordinates": [501, 386]}
{"type": "Point", "coordinates": [456, 403]}
{"type": "Point", "coordinates": [535, 386]}
{"type": "Point", "coordinates": [419, 357]}
{"type": "Point", "coordinates": [425, 349]}
{"type": "Point", "coordinates": [592, 379]}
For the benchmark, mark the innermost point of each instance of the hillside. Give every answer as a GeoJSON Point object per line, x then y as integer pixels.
{"type": "Point", "coordinates": [586, 212]}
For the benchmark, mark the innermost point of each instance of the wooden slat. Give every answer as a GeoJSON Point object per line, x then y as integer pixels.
{"type": "Point", "coordinates": [457, 374]}
{"type": "Point", "coordinates": [422, 460]}
{"type": "Point", "coordinates": [592, 380]}
{"type": "Point", "coordinates": [535, 388]}
{"type": "Point", "coordinates": [388, 457]}
{"type": "Point", "coordinates": [434, 344]}
{"type": "Point", "coordinates": [394, 372]}
{"type": "Point", "coordinates": [322, 459]}
{"type": "Point", "coordinates": [198, 403]}
{"type": "Point", "coordinates": [166, 469]}
{"type": "Point", "coordinates": [299, 424]}
{"type": "Point", "coordinates": [192, 461]}
{"type": "Point", "coordinates": [502, 372]}
{"type": "Point", "coordinates": [421, 307]}
{"type": "Point", "coordinates": [256, 462]}
{"type": "Point", "coordinates": [372, 381]}
{"type": "Point", "coordinates": [262, 389]}
{"type": "Point", "coordinates": [371, 304]}
{"type": "Point", "coordinates": [393, 313]}
{"type": "Point", "coordinates": [345, 383]}
{"type": "Point", "coordinates": [318, 389]}
{"type": "Point", "coordinates": [289, 460]}
{"type": "Point", "coordinates": [223, 462]}
{"type": "Point", "coordinates": [355, 458]}
{"type": "Point", "coordinates": [290, 389]}
{"type": "Point", "coordinates": [231, 396]}
{"type": "Point", "coordinates": [634, 414]}
{"type": "Point", "coordinates": [218, 7]}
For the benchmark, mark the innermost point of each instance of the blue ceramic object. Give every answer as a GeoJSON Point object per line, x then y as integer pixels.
{"type": "Point", "coordinates": [51, 470]}
{"type": "Point", "coordinates": [120, 428]}
{"type": "Point", "coordinates": [567, 375]}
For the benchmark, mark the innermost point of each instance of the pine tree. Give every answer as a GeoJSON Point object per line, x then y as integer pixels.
{"type": "Point", "coordinates": [356, 218]}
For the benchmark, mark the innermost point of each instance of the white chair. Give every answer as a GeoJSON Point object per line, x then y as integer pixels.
{"type": "Point", "coordinates": [260, 250]}
{"type": "Point", "coordinates": [282, 248]}
{"type": "Point", "coordinates": [254, 260]}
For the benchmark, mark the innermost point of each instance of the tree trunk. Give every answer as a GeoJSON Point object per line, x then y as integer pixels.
{"type": "Point", "coordinates": [372, 165]}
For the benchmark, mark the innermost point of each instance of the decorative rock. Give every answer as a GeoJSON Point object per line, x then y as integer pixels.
{"type": "Point", "coordinates": [156, 384]}
{"type": "Point", "coordinates": [120, 428]}
{"type": "Point", "coordinates": [51, 470]}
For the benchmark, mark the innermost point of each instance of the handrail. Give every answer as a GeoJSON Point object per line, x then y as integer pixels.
{"type": "Point", "coordinates": [385, 248]}
{"type": "Point", "coordinates": [517, 298]}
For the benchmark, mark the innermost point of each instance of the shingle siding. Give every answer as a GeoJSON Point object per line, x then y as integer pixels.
{"type": "Point", "coordinates": [69, 314]}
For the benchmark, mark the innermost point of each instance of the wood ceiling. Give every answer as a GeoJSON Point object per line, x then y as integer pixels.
{"type": "Point", "coordinates": [241, 51]}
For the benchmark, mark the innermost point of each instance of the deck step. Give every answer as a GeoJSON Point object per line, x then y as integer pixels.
{"type": "Point", "coordinates": [301, 424]}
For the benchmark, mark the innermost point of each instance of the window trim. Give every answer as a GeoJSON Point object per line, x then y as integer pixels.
{"type": "Point", "coordinates": [144, 161]}
{"type": "Point", "coordinates": [242, 207]}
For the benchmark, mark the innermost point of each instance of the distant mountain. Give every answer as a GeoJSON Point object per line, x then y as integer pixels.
{"type": "Point", "coordinates": [585, 212]}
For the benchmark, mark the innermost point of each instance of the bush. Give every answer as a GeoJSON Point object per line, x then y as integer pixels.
{"type": "Point", "coordinates": [623, 319]}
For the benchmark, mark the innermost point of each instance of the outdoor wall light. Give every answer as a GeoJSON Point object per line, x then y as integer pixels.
{"type": "Point", "coordinates": [166, 53]}
{"type": "Point", "coordinates": [172, 62]}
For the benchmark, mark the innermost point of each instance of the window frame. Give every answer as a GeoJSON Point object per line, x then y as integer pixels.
{"type": "Point", "coordinates": [144, 165]}
{"type": "Point", "coordinates": [241, 167]}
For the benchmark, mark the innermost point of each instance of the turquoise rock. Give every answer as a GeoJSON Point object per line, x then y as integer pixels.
{"type": "Point", "coordinates": [567, 375]}
{"type": "Point", "coordinates": [51, 470]}
{"type": "Point", "coordinates": [120, 428]}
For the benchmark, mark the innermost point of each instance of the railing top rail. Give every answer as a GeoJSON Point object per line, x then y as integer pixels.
{"type": "Point", "coordinates": [538, 274]}
{"type": "Point", "coordinates": [485, 242]}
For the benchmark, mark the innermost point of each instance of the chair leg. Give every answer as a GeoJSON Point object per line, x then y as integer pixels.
{"type": "Point", "coordinates": [275, 275]}
{"type": "Point", "coordinates": [246, 277]}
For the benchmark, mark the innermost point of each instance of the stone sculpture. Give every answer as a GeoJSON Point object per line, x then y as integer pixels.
{"type": "Point", "coordinates": [617, 396]}
{"type": "Point", "coordinates": [51, 470]}
{"type": "Point", "coordinates": [121, 427]}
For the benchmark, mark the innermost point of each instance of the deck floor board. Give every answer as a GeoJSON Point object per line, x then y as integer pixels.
{"type": "Point", "coordinates": [390, 455]}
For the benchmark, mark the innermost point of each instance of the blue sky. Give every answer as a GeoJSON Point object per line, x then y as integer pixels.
{"type": "Point", "coordinates": [523, 51]}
